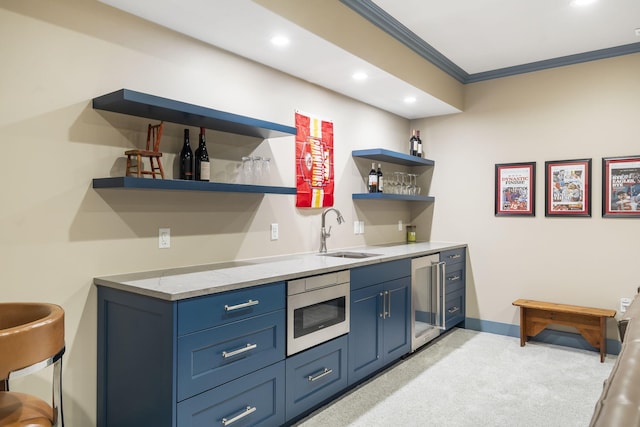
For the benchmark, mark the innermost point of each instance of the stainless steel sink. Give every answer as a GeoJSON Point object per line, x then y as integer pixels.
{"type": "Point", "coordinates": [349, 254]}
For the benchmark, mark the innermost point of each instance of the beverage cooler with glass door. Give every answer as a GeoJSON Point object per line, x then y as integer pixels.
{"type": "Point", "coordinates": [427, 300]}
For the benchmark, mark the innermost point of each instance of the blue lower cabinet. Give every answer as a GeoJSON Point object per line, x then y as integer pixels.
{"type": "Point", "coordinates": [215, 356]}
{"type": "Point", "coordinates": [454, 308]}
{"type": "Point", "coordinates": [256, 399]}
{"type": "Point", "coordinates": [315, 375]}
{"type": "Point", "coordinates": [380, 329]}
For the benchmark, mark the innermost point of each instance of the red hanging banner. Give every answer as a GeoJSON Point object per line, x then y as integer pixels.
{"type": "Point", "coordinates": [314, 162]}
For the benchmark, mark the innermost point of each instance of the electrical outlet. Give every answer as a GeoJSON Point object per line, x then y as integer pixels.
{"type": "Point", "coordinates": [624, 304]}
{"type": "Point", "coordinates": [400, 225]}
{"type": "Point", "coordinates": [274, 231]}
{"type": "Point", "coordinates": [164, 238]}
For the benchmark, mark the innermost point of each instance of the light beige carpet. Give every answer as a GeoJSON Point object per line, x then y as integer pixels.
{"type": "Point", "coordinates": [469, 378]}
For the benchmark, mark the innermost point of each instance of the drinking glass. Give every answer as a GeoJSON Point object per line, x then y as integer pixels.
{"type": "Point", "coordinates": [247, 169]}
{"type": "Point", "coordinates": [257, 170]}
{"type": "Point", "coordinates": [266, 170]}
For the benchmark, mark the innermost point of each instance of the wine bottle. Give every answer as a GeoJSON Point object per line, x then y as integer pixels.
{"type": "Point", "coordinates": [373, 179]}
{"type": "Point", "coordinates": [419, 150]}
{"type": "Point", "coordinates": [380, 180]}
{"type": "Point", "coordinates": [186, 159]}
{"type": "Point", "coordinates": [203, 167]}
{"type": "Point", "coordinates": [413, 144]}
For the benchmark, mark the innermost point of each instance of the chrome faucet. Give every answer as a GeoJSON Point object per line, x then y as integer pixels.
{"type": "Point", "coordinates": [324, 233]}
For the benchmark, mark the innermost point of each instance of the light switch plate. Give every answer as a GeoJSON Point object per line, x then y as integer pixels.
{"type": "Point", "coordinates": [356, 227]}
{"type": "Point", "coordinates": [274, 231]}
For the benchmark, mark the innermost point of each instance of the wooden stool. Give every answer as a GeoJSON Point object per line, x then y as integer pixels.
{"type": "Point", "coordinates": [154, 133]}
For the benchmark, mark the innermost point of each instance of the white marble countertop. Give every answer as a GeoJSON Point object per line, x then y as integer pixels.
{"type": "Point", "coordinates": [187, 282]}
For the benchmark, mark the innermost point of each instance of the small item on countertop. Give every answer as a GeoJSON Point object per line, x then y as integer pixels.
{"type": "Point", "coordinates": [411, 233]}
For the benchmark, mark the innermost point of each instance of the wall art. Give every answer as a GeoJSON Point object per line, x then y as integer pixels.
{"type": "Point", "coordinates": [314, 161]}
{"type": "Point", "coordinates": [568, 188]}
{"type": "Point", "coordinates": [515, 189]}
{"type": "Point", "coordinates": [621, 187]}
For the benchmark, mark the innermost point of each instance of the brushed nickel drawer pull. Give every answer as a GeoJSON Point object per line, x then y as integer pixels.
{"type": "Point", "coordinates": [241, 306]}
{"type": "Point", "coordinates": [249, 410]}
{"type": "Point", "coordinates": [453, 278]}
{"type": "Point", "coordinates": [325, 371]}
{"type": "Point", "coordinates": [248, 347]}
{"type": "Point", "coordinates": [453, 309]}
{"type": "Point", "coordinates": [454, 256]}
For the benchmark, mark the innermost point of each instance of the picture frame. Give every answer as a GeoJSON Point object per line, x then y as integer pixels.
{"type": "Point", "coordinates": [568, 188]}
{"type": "Point", "coordinates": [621, 187]}
{"type": "Point", "coordinates": [515, 185]}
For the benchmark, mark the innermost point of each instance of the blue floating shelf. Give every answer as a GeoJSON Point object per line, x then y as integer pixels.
{"type": "Point", "coordinates": [140, 104]}
{"type": "Point", "coordinates": [383, 155]}
{"type": "Point", "coordinates": [131, 182]}
{"type": "Point", "coordinates": [386, 196]}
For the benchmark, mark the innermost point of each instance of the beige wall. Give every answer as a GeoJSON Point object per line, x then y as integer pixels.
{"type": "Point", "coordinates": [589, 110]}
{"type": "Point", "coordinates": [58, 233]}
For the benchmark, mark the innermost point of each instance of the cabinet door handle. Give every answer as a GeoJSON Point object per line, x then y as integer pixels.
{"type": "Point", "coordinates": [384, 300]}
{"type": "Point", "coordinates": [324, 372]}
{"type": "Point", "coordinates": [248, 347]}
{"type": "Point", "coordinates": [453, 309]}
{"type": "Point", "coordinates": [389, 304]}
{"type": "Point", "coordinates": [247, 411]}
{"type": "Point", "coordinates": [452, 278]}
{"type": "Point", "coordinates": [241, 306]}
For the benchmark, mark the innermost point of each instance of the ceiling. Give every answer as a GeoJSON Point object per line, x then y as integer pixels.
{"type": "Point", "coordinates": [470, 40]}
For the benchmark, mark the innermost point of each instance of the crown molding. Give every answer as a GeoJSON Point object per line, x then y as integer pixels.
{"type": "Point", "coordinates": [387, 23]}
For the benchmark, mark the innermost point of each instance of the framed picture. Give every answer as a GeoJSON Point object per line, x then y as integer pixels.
{"type": "Point", "coordinates": [515, 189]}
{"type": "Point", "coordinates": [621, 187]}
{"type": "Point", "coordinates": [568, 188]}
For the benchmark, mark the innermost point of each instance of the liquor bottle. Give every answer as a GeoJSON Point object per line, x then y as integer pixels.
{"type": "Point", "coordinates": [419, 150]}
{"type": "Point", "coordinates": [186, 159]}
{"type": "Point", "coordinates": [203, 167]}
{"type": "Point", "coordinates": [373, 179]}
{"type": "Point", "coordinates": [413, 144]}
{"type": "Point", "coordinates": [380, 180]}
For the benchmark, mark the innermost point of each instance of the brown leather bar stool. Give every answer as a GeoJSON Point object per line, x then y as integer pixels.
{"type": "Point", "coordinates": [31, 338]}
{"type": "Point", "coordinates": [135, 164]}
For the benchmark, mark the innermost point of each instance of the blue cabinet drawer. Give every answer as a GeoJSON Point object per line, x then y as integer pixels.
{"type": "Point", "coordinates": [217, 355]}
{"type": "Point", "coordinates": [368, 275]}
{"type": "Point", "coordinates": [454, 279]}
{"type": "Point", "coordinates": [252, 400]}
{"type": "Point", "coordinates": [453, 256]}
{"type": "Point", "coordinates": [315, 375]}
{"type": "Point", "coordinates": [454, 308]}
{"type": "Point", "coordinates": [205, 312]}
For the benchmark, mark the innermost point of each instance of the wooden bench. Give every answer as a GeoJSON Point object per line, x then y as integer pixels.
{"type": "Point", "coordinates": [590, 322]}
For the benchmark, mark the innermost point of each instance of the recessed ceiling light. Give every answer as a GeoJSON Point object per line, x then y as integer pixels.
{"type": "Point", "coordinates": [580, 3]}
{"type": "Point", "coordinates": [410, 99]}
{"type": "Point", "coordinates": [359, 76]}
{"type": "Point", "coordinates": [280, 40]}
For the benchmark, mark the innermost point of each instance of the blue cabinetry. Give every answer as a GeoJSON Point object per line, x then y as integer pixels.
{"type": "Point", "coordinates": [454, 284]}
{"type": "Point", "coordinates": [380, 330]}
{"type": "Point", "coordinates": [166, 363]}
{"type": "Point", "coordinates": [315, 375]}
